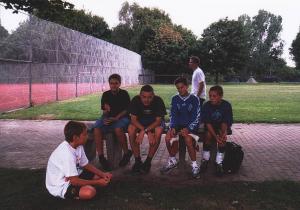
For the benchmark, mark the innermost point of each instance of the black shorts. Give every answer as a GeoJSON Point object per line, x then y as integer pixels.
{"type": "Point", "coordinates": [73, 191]}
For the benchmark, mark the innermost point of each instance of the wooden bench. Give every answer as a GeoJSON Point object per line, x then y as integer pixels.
{"type": "Point", "coordinates": [113, 148]}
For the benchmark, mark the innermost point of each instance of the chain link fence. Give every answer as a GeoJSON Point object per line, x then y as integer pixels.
{"type": "Point", "coordinates": [42, 62]}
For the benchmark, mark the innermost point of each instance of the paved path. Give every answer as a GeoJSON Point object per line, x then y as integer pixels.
{"type": "Point", "coordinates": [272, 151]}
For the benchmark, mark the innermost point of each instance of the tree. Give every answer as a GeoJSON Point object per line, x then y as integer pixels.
{"type": "Point", "coordinates": [3, 33]}
{"type": "Point", "coordinates": [224, 48]}
{"type": "Point", "coordinates": [80, 21]}
{"type": "Point", "coordinates": [55, 6]}
{"type": "Point", "coordinates": [295, 50]}
{"type": "Point", "coordinates": [62, 12]}
{"type": "Point", "coordinates": [266, 46]}
{"type": "Point", "coordinates": [150, 32]}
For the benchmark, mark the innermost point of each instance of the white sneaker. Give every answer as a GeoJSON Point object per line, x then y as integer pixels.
{"type": "Point", "coordinates": [196, 171]}
{"type": "Point", "coordinates": [172, 163]}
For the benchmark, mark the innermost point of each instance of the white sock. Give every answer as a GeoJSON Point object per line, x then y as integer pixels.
{"type": "Point", "coordinates": [194, 164]}
{"type": "Point", "coordinates": [219, 157]}
{"type": "Point", "coordinates": [206, 155]}
{"type": "Point", "coordinates": [173, 159]}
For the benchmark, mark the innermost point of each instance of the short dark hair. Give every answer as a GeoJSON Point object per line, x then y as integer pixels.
{"type": "Point", "coordinates": [182, 80]}
{"type": "Point", "coordinates": [147, 88]}
{"type": "Point", "coordinates": [195, 59]}
{"type": "Point", "coordinates": [218, 89]}
{"type": "Point", "coordinates": [73, 128]}
{"type": "Point", "coordinates": [114, 76]}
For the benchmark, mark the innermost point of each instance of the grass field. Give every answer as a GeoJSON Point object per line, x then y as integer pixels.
{"type": "Point", "coordinates": [270, 103]}
{"type": "Point", "coordinates": [25, 189]}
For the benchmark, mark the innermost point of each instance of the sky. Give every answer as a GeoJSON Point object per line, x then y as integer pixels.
{"type": "Point", "coordinates": [195, 15]}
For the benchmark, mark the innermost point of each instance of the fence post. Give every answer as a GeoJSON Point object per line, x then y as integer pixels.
{"type": "Point", "coordinates": [56, 77]}
{"type": "Point", "coordinates": [76, 82]}
{"type": "Point", "coordinates": [30, 59]}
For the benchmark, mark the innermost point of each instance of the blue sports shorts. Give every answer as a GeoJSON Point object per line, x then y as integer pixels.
{"type": "Point", "coordinates": [121, 123]}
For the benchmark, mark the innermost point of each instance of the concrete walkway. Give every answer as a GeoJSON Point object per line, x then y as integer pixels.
{"type": "Point", "coordinates": [272, 151]}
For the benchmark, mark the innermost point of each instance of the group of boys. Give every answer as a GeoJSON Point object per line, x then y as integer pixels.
{"type": "Point", "coordinates": [69, 175]}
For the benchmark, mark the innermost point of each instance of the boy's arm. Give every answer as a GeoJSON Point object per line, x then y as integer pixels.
{"type": "Point", "coordinates": [211, 130]}
{"type": "Point", "coordinates": [89, 167]}
{"type": "Point", "coordinates": [76, 181]}
{"type": "Point", "coordinates": [200, 89]}
{"type": "Point", "coordinates": [195, 115]}
{"type": "Point", "coordinates": [135, 122]}
{"type": "Point", "coordinates": [155, 124]}
{"type": "Point", "coordinates": [173, 114]}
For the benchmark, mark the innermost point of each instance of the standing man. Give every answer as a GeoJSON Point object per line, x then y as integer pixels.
{"type": "Point", "coordinates": [147, 113]}
{"type": "Point", "coordinates": [198, 79]}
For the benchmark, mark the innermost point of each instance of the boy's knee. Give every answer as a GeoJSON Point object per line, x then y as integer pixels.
{"type": "Point", "coordinates": [87, 192]}
{"type": "Point", "coordinates": [131, 129]}
{"type": "Point", "coordinates": [188, 142]}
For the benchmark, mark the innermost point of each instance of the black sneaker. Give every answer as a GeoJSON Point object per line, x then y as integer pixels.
{"type": "Point", "coordinates": [136, 168]}
{"type": "Point", "coordinates": [219, 170]}
{"type": "Point", "coordinates": [146, 167]}
{"type": "Point", "coordinates": [104, 163]}
{"type": "Point", "coordinates": [125, 159]}
{"type": "Point", "coordinates": [204, 165]}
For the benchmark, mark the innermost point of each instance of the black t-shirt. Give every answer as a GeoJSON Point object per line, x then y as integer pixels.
{"type": "Point", "coordinates": [117, 102]}
{"type": "Point", "coordinates": [149, 113]}
{"type": "Point", "coordinates": [217, 114]}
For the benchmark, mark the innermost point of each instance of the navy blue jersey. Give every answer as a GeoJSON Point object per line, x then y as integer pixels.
{"type": "Point", "coordinates": [185, 112]}
{"type": "Point", "coordinates": [217, 114]}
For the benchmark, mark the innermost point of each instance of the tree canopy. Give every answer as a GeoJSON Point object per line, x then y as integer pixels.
{"type": "Point", "coordinates": [295, 50]}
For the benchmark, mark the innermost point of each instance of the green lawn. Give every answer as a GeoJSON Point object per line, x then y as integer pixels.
{"type": "Point", "coordinates": [271, 103]}
{"type": "Point", "coordinates": [25, 189]}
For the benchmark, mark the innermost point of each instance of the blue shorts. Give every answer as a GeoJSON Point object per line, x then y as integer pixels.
{"type": "Point", "coordinates": [146, 123]}
{"type": "Point", "coordinates": [121, 123]}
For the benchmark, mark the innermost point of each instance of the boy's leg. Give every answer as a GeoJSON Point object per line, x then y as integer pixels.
{"type": "Point", "coordinates": [123, 141]}
{"type": "Point", "coordinates": [98, 134]}
{"type": "Point", "coordinates": [189, 141]}
{"type": "Point", "coordinates": [156, 136]}
{"type": "Point", "coordinates": [87, 192]}
{"type": "Point", "coordinates": [132, 131]}
{"type": "Point", "coordinates": [98, 140]}
{"type": "Point", "coordinates": [219, 159]}
{"type": "Point", "coordinates": [206, 151]}
{"type": "Point", "coordinates": [172, 149]}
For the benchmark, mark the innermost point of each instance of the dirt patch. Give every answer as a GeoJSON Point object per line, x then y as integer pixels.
{"type": "Point", "coordinates": [46, 117]}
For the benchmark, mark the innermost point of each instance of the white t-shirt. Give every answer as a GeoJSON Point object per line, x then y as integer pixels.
{"type": "Point", "coordinates": [198, 76]}
{"type": "Point", "coordinates": [65, 161]}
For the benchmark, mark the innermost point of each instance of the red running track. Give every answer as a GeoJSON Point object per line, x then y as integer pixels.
{"type": "Point", "coordinates": [15, 96]}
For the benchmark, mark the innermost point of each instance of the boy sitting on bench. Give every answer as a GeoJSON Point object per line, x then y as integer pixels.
{"type": "Point", "coordinates": [217, 117]}
{"type": "Point", "coordinates": [114, 104]}
{"type": "Point", "coordinates": [147, 113]}
{"type": "Point", "coordinates": [184, 121]}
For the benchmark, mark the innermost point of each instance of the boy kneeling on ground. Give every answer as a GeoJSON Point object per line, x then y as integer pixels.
{"type": "Point", "coordinates": [217, 117]}
{"type": "Point", "coordinates": [69, 174]}
{"type": "Point", "coordinates": [184, 121]}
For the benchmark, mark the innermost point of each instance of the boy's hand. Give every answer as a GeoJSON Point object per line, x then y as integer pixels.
{"type": "Point", "coordinates": [173, 132]}
{"type": "Point", "coordinates": [221, 140]}
{"type": "Point", "coordinates": [184, 132]}
{"type": "Point", "coordinates": [107, 176]}
{"type": "Point", "coordinates": [109, 120]}
{"type": "Point", "coordinates": [151, 138]}
{"type": "Point", "coordinates": [102, 182]}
